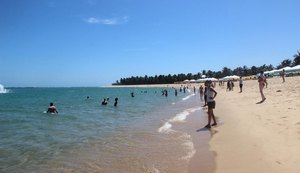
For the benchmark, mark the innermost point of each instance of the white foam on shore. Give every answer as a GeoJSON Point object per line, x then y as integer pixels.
{"type": "Point", "coordinates": [187, 97]}
{"type": "Point", "coordinates": [166, 128]}
{"type": "Point", "coordinates": [191, 110]}
{"type": "Point", "coordinates": [185, 138]}
{"type": "Point", "coordinates": [189, 146]}
{"type": "Point", "coordinates": [180, 117]}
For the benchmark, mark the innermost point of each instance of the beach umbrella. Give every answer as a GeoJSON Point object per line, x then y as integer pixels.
{"type": "Point", "coordinates": [295, 68]}
{"type": "Point", "coordinates": [234, 77]}
{"type": "Point", "coordinates": [212, 79]}
{"type": "Point", "coordinates": [186, 81]}
{"type": "Point", "coordinates": [287, 69]}
{"type": "Point", "coordinates": [192, 80]}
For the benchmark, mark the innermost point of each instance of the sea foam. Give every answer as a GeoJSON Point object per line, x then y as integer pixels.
{"type": "Point", "coordinates": [187, 97]}
{"type": "Point", "coordinates": [189, 146]}
{"type": "Point", "coordinates": [3, 90]}
{"type": "Point", "coordinates": [166, 128]}
{"type": "Point", "coordinates": [180, 117]}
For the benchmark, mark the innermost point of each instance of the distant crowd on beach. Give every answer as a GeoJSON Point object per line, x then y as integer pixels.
{"type": "Point", "coordinates": [208, 93]}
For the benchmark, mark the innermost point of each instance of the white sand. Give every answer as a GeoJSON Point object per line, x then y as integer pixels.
{"type": "Point", "coordinates": [258, 138]}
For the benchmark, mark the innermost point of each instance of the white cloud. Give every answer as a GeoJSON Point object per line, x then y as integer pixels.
{"type": "Point", "coordinates": [108, 21]}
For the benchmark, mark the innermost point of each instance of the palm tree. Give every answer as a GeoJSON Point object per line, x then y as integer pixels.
{"type": "Point", "coordinates": [285, 63]}
{"type": "Point", "coordinates": [297, 59]}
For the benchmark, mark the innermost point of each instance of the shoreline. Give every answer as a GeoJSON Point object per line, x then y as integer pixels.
{"type": "Point", "coordinates": [250, 137]}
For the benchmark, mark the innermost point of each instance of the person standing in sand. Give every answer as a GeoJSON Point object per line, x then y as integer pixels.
{"type": "Point", "coordinates": [241, 84]}
{"type": "Point", "coordinates": [201, 92]}
{"type": "Point", "coordinates": [211, 104]}
{"type": "Point", "coordinates": [261, 83]}
{"type": "Point", "coordinates": [282, 74]}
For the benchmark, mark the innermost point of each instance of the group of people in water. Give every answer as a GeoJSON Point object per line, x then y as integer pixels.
{"type": "Point", "coordinates": [53, 109]}
{"type": "Point", "coordinates": [105, 101]}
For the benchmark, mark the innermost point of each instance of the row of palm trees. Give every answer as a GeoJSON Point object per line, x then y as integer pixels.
{"type": "Point", "coordinates": [241, 71]}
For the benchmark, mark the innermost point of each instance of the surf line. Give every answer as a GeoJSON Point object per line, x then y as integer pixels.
{"type": "Point", "coordinates": [180, 117]}
{"type": "Point", "coordinates": [187, 97]}
{"type": "Point", "coordinates": [186, 138]}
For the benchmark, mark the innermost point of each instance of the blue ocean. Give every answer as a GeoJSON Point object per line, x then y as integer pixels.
{"type": "Point", "coordinates": [138, 135]}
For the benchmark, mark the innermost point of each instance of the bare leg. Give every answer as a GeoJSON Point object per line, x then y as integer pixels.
{"type": "Point", "coordinates": [214, 118]}
{"type": "Point", "coordinates": [209, 118]}
{"type": "Point", "coordinates": [261, 87]}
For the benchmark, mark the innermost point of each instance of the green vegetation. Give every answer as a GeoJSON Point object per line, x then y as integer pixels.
{"type": "Point", "coordinates": [240, 71]}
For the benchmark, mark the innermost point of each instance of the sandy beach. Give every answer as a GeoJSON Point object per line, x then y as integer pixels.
{"type": "Point", "coordinates": [250, 137]}
{"type": "Point", "coordinates": [259, 138]}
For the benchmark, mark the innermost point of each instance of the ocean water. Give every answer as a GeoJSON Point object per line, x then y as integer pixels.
{"type": "Point", "coordinates": [135, 136]}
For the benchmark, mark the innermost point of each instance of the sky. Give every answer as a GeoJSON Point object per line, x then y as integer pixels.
{"type": "Point", "coordinates": [66, 43]}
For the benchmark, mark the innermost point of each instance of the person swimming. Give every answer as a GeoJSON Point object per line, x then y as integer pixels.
{"type": "Point", "coordinates": [116, 101]}
{"type": "Point", "coordinates": [52, 109]}
{"type": "Point", "coordinates": [104, 102]}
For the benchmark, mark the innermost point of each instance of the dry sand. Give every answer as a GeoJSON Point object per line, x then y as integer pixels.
{"type": "Point", "coordinates": [258, 138]}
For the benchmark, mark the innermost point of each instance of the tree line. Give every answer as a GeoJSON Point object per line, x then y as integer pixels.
{"type": "Point", "coordinates": [240, 71]}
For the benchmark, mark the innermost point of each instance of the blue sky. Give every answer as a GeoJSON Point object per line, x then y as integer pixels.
{"type": "Point", "coordinates": [96, 42]}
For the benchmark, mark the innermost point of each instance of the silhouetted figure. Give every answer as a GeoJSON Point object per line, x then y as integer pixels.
{"type": "Point", "coordinates": [241, 84]}
{"type": "Point", "coordinates": [104, 102]}
{"type": "Point", "coordinates": [132, 94]}
{"type": "Point", "coordinates": [52, 108]}
{"type": "Point", "coordinates": [116, 101]}
{"type": "Point", "coordinates": [201, 92]}
{"type": "Point", "coordinates": [261, 83]}
{"type": "Point", "coordinates": [282, 74]}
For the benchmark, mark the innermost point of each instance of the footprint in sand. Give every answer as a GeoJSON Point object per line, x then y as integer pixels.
{"type": "Point", "coordinates": [284, 117]}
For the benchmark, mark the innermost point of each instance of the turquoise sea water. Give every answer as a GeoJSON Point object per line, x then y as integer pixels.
{"type": "Point", "coordinates": [85, 136]}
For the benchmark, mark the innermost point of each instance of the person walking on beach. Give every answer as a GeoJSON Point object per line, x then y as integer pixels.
{"type": "Point", "coordinates": [241, 84]}
{"type": "Point", "coordinates": [282, 74]}
{"type": "Point", "coordinates": [211, 94]}
{"type": "Point", "coordinates": [261, 83]}
{"type": "Point", "coordinates": [52, 109]}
